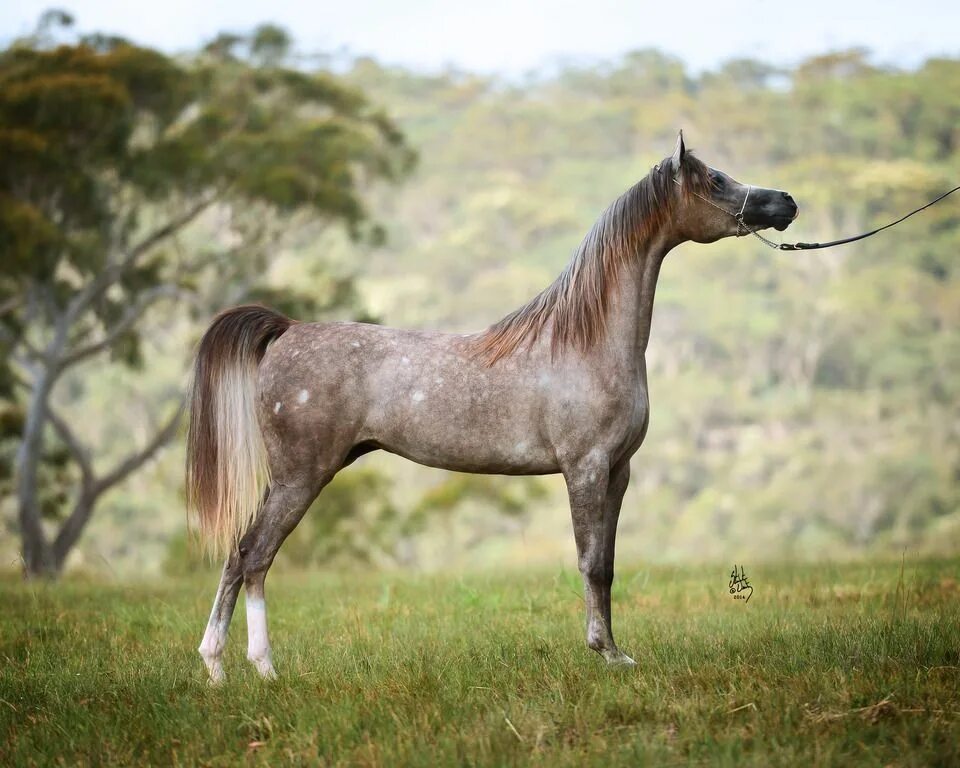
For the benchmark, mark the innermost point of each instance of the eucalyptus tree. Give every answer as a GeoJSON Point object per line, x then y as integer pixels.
{"type": "Point", "coordinates": [113, 154]}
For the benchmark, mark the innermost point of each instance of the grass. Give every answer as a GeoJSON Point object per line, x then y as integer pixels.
{"type": "Point", "coordinates": [838, 665]}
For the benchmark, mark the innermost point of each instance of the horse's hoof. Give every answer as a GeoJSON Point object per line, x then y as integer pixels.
{"type": "Point", "coordinates": [216, 677]}
{"type": "Point", "coordinates": [620, 660]}
{"type": "Point", "coordinates": [215, 674]}
{"type": "Point", "coordinates": [265, 668]}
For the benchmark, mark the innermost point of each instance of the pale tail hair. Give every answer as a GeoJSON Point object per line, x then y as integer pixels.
{"type": "Point", "coordinates": [227, 468]}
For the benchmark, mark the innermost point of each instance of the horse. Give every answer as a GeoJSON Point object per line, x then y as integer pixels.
{"type": "Point", "coordinates": [278, 407]}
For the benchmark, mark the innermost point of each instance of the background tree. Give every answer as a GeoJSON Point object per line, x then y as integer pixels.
{"type": "Point", "coordinates": [112, 155]}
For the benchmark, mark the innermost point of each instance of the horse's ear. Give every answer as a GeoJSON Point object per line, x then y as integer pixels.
{"type": "Point", "coordinates": [679, 151]}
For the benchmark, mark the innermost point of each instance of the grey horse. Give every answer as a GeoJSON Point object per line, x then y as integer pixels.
{"type": "Point", "coordinates": [278, 407]}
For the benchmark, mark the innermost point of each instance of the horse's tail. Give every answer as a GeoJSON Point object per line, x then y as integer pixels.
{"type": "Point", "coordinates": [227, 467]}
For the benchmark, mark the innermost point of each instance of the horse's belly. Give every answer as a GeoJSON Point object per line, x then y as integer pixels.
{"type": "Point", "coordinates": [493, 460]}
{"type": "Point", "coordinates": [493, 444]}
{"type": "Point", "coordinates": [445, 421]}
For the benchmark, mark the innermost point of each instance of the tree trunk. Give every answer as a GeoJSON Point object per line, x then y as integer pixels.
{"type": "Point", "coordinates": [38, 556]}
{"type": "Point", "coordinates": [69, 534]}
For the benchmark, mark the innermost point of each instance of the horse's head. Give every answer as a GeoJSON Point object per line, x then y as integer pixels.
{"type": "Point", "coordinates": [711, 205]}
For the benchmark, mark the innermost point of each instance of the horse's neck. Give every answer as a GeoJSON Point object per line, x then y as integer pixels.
{"type": "Point", "coordinates": [631, 312]}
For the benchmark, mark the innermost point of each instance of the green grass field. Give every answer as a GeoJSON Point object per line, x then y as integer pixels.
{"type": "Point", "coordinates": [832, 665]}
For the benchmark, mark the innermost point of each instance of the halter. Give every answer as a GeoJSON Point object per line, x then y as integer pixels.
{"type": "Point", "coordinates": [742, 225]}
{"type": "Point", "coordinates": [739, 216]}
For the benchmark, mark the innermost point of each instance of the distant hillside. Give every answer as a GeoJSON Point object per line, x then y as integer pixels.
{"type": "Point", "coordinates": [802, 403]}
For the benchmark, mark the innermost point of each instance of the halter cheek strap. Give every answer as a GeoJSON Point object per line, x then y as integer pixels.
{"type": "Point", "coordinates": [739, 216]}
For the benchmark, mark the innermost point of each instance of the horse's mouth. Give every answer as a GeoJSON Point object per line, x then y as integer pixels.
{"type": "Point", "coordinates": [780, 223]}
{"type": "Point", "coordinates": [781, 217]}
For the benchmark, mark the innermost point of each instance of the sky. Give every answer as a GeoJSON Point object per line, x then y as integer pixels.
{"type": "Point", "coordinates": [513, 37]}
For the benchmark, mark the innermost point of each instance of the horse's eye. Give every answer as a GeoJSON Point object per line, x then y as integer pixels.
{"type": "Point", "coordinates": [718, 181]}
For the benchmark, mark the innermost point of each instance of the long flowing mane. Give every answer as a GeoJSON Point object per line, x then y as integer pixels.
{"type": "Point", "coordinates": [577, 300]}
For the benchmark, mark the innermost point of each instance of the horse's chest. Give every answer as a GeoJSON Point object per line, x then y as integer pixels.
{"type": "Point", "coordinates": [613, 413]}
{"type": "Point", "coordinates": [636, 413]}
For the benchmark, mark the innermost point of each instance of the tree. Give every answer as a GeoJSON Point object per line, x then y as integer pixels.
{"type": "Point", "coordinates": [113, 154]}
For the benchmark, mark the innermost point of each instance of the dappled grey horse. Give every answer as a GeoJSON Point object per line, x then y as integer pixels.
{"type": "Point", "coordinates": [560, 385]}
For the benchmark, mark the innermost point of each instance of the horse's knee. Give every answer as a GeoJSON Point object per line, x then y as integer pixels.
{"type": "Point", "coordinates": [597, 570]}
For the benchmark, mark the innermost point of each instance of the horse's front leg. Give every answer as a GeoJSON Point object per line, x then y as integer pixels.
{"type": "Point", "coordinates": [619, 479]}
{"type": "Point", "coordinates": [596, 492]}
{"type": "Point", "coordinates": [215, 636]}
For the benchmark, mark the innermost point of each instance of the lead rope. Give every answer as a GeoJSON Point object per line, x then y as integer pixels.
{"type": "Point", "coordinates": [807, 246]}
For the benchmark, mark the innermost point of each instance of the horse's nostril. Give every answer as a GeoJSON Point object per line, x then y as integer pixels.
{"type": "Point", "coordinates": [787, 196]}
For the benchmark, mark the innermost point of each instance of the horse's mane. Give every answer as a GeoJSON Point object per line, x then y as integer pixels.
{"type": "Point", "coordinates": [578, 299]}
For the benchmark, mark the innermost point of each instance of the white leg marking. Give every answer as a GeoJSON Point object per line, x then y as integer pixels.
{"type": "Point", "coordinates": [258, 644]}
{"type": "Point", "coordinates": [211, 649]}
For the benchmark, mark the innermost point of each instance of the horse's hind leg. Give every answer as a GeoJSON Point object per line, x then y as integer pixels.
{"type": "Point", "coordinates": [215, 636]}
{"type": "Point", "coordinates": [283, 510]}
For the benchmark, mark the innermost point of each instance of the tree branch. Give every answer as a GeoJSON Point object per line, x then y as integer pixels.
{"type": "Point", "coordinates": [29, 319]}
{"type": "Point", "coordinates": [10, 304]}
{"type": "Point", "coordinates": [70, 532]}
{"type": "Point", "coordinates": [80, 453]}
{"type": "Point", "coordinates": [170, 228]}
{"type": "Point", "coordinates": [124, 324]}
{"type": "Point", "coordinates": [132, 463]}
{"type": "Point", "coordinates": [114, 272]}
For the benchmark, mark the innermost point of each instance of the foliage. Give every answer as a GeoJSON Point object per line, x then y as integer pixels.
{"type": "Point", "coordinates": [802, 404]}
{"type": "Point", "coordinates": [113, 155]}
{"type": "Point", "coordinates": [356, 519]}
{"type": "Point", "coordinates": [826, 665]}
